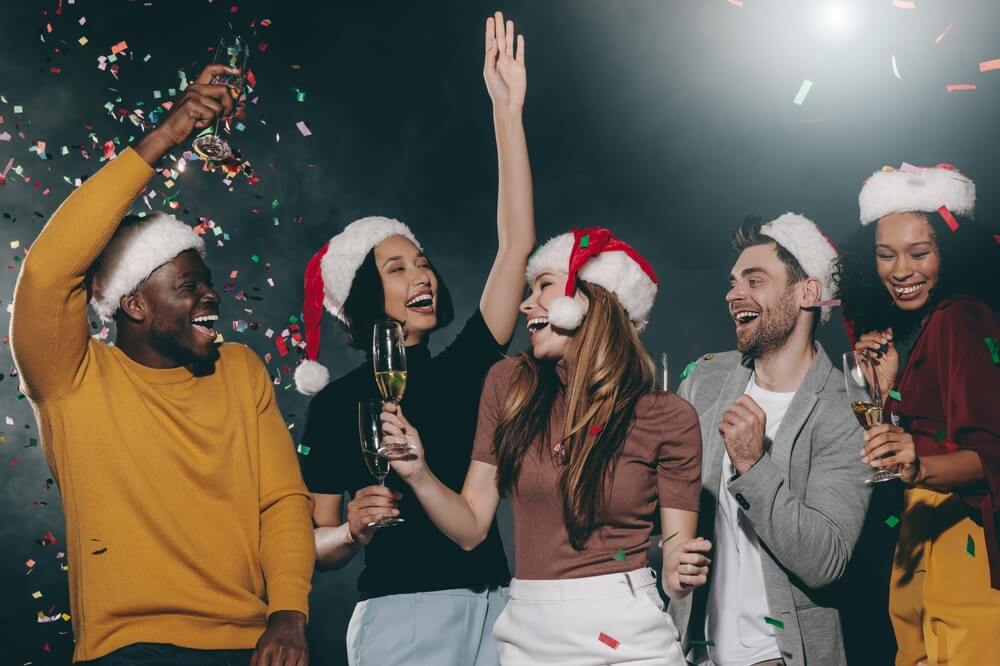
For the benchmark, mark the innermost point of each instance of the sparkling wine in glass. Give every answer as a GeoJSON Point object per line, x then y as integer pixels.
{"type": "Point", "coordinates": [389, 360]}
{"type": "Point", "coordinates": [235, 52]}
{"type": "Point", "coordinates": [865, 396]}
{"type": "Point", "coordinates": [370, 434]}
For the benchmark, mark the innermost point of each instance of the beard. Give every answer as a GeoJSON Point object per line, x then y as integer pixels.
{"type": "Point", "coordinates": [774, 327]}
{"type": "Point", "coordinates": [166, 341]}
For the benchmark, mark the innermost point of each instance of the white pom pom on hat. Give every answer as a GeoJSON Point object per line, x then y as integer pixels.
{"type": "Point", "coordinates": [328, 279]}
{"type": "Point", "coordinates": [813, 249]}
{"type": "Point", "coordinates": [595, 255]}
{"type": "Point", "coordinates": [941, 188]}
{"type": "Point", "coordinates": [137, 248]}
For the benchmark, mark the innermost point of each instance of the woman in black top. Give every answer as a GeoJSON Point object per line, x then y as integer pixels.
{"type": "Point", "coordinates": [424, 600]}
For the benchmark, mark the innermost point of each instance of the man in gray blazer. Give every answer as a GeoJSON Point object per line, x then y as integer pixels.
{"type": "Point", "coordinates": [783, 487]}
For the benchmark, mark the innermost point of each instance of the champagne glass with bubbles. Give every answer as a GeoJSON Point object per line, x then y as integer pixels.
{"type": "Point", "coordinates": [234, 52]}
{"type": "Point", "coordinates": [865, 396]}
{"type": "Point", "coordinates": [389, 362]}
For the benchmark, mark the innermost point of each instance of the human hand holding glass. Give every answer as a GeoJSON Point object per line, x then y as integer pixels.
{"type": "Point", "coordinates": [389, 363]}
{"type": "Point", "coordinates": [865, 396]}
{"type": "Point", "coordinates": [371, 436]}
{"type": "Point", "coordinates": [234, 52]}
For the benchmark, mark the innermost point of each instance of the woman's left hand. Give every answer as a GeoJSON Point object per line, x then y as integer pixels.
{"type": "Point", "coordinates": [685, 567]}
{"type": "Point", "coordinates": [409, 462]}
{"type": "Point", "coordinates": [890, 446]}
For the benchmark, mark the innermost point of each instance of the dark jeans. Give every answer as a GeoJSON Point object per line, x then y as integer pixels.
{"type": "Point", "coordinates": [162, 654]}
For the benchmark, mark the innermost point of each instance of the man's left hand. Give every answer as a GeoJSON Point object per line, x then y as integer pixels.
{"type": "Point", "coordinates": [742, 429]}
{"type": "Point", "coordinates": [283, 643]}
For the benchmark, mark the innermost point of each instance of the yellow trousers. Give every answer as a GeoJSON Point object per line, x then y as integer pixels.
{"type": "Point", "coordinates": [943, 610]}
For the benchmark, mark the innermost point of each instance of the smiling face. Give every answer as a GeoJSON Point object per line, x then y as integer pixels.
{"type": "Point", "coordinates": [179, 309]}
{"type": "Point", "coordinates": [409, 286]}
{"type": "Point", "coordinates": [762, 303]}
{"type": "Point", "coordinates": [907, 258]}
{"type": "Point", "coordinates": [547, 342]}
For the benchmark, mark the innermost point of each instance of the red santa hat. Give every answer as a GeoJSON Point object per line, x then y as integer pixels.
{"type": "Point", "coordinates": [813, 249]}
{"type": "Point", "coordinates": [942, 189]}
{"type": "Point", "coordinates": [138, 247]}
{"type": "Point", "coordinates": [328, 279]}
{"type": "Point", "coordinates": [594, 255]}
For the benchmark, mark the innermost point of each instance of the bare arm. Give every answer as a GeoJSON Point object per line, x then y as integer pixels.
{"type": "Point", "coordinates": [335, 546]}
{"type": "Point", "coordinates": [464, 518]}
{"type": "Point", "coordinates": [685, 565]}
{"type": "Point", "coordinates": [506, 81]}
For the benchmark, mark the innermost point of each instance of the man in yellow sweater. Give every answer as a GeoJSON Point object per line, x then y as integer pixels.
{"type": "Point", "coordinates": [187, 522]}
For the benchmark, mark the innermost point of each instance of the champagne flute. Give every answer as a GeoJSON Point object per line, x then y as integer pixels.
{"type": "Point", "coordinates": [370, 433]}
{"type": "Point", "coordinates": [664, 372]}
{"type": "Point", "coordinates": [389, 363]}
{"type": "Point", "coordinates": [236, 53]}
{"type": "Point", "coordinates": [865, 394]}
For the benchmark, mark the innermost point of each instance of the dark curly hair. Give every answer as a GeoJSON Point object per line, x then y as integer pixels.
{"type": "Point", "coordinates": [365, 304]}
{"type": "Point", "coordinates": [970, 265]}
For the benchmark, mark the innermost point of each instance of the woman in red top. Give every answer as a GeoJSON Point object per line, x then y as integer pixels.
{"type": "Point", "coordinates": [941, 270]}
{"type": "Point", "coordinates": [587, 449]}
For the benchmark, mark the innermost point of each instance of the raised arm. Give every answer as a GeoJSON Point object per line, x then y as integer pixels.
{"type": "Point", "coordinates": [49, 329]}
{"type": "Point", "coordinates": [464, 518]}
{"type": "Point", "coordinates": [506, 82]}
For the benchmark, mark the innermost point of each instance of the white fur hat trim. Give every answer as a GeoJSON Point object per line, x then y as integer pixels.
{"type": "Point", "coordinates": [346, 252]}
{"type": "Point", "coordinates": [311, 376]}
{"type": "Point", "coordinates": [916, 189]}
{"type": "Point", "coordinates": [613, 270]}
{"type": "Point", "coordinates": [814, 251]}
{"type": "Point", "coordinates": [138, 247]}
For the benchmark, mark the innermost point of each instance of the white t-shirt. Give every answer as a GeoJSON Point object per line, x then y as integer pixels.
{"type": "Point", "coordinates": [737, 601]}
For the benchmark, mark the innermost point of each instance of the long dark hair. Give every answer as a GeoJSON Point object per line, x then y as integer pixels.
{"type": "Point", "coordinates": [609, 372]}
{"type": "Point", "coordinates": [365, 304]}
{"type": "Point", "coordinates": [970, 265]}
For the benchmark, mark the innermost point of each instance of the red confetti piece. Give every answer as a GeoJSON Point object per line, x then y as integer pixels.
{"type": "Point", "coordinates": [119, 47]}
{"type": "Point", "coordinates": [596, 429]}
{"type": "Point", "coordinates": [960, 86]}
{"type": "Point", "coordinates": [49, 539]}
{"type": "Point", "coordinates": [948, 218]}
{"type": "Point", "coordinates": [279, 342]}
{"type": "Point", "coordinates": [607, 640]}
{"type": "Point", "coordinates": [989, 65]}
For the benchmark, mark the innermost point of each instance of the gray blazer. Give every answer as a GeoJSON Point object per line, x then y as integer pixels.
{"type": "Point", "coordinates": [806, 499]}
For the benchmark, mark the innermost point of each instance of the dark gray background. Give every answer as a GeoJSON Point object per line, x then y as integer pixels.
{"type": "Point", "coordinates": [665, 120]}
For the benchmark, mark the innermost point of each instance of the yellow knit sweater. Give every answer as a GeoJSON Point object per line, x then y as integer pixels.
{"type": "Point", "coordinates": [187, 521]}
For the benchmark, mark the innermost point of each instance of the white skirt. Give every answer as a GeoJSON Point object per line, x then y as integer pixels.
{"type": "Point", "coordinates": [611, 619]}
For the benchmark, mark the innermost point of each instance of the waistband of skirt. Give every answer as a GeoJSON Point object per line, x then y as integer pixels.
{"type": "Point", "coordinates": [568, 589]}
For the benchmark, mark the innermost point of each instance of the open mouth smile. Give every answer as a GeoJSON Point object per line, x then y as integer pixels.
{"type": "Point", "coordinates": [422, 302]}
{"type": "Point", "coordinates": [205, 325]}
{"type": "Point", "coordinates": [744, 316]}
{"type": "Point", "coordinates": [536, 324]}
{"type": "Point", "coordinates": [908, 291]}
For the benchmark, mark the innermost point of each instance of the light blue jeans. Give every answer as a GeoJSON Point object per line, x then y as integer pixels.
{"type": "Point", "coordinates": [443, 628]}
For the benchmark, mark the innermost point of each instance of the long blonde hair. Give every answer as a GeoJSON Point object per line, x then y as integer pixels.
{"type": "Point", "coordinates": [609, 371]}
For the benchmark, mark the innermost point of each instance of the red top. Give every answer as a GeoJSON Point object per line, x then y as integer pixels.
{"type": "Point", "coordinates": [950, 400]}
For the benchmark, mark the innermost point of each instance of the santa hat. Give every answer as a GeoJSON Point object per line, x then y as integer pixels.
{"type": "Point", "coordinates": [815, 252]}
{"type": "Point", "coordinates": [329, 276]}
{"type": "Point", "coordinates": [942, 189]}
{"type": "Point", "coordinates": [138, 247]}
{"type": "Point", "coordinates": [594, 255]}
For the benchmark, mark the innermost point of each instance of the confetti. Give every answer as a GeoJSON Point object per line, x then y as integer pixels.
{"type": "Point", "coordinates": [777, 623]}
{"type": "Point", "coordinates": [940, 435]}
{"type": "Point", "coordinates": [585, 241]}
{"type": "Point", "coordinates": [303, 449]}
{"type": "Point", "coordinates": [960, 86]}
{"type": "Point", "coordinates": [896, 395]}
{"type": "Point", "coordinates": [83, 40]}
{"type": "Point", "coordinates": [804, 89]}
{"type": "Point", "coordinates": [687, 369]}
{"type": "Point", "coordinates": [895, 67]}
{"type": "Point", "coordinates": [941, 36]}
{"type": "Point", "coordinates": [595, 429]}
{"type": "Point", "coordinates": [993, 344]}
{"type": "Point", "coordinates": [892, 521]}
{"type": "Point", "coordinates": [666, 539]}
{"type": "Point", "coordinates": [736, 3]}
{"type": "Point", "coordinates": [989, 65]}
{"type": "Point", "coordinates": [301, 125]}
{"type": "Point", "coordinates": [708, 643]}
{"type": "Point", "coordinates": [903, 4]}
{"type": "Point", "coordinates": [970, 546]}
{"type": "Point", "coordinates": [607, 640]}
{"type": "Point", "coordinates": [118, 48]}
{"type": "Point", "coordinates": [620, 556]}
{"type": "Point", "coordinates": [36, 595]}
{"type": "Point", "coordinates": [948, 218]}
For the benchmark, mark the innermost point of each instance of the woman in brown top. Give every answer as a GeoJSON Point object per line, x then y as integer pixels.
{"type": "Point", "coordinates": [587, 449]}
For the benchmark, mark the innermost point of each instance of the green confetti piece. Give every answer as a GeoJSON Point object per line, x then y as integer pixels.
{"type": "Point", "coordinates": [172, 197]}
{"type": "Point", "coordinates": [303, 449]}
{"type": "Point", "coordinates": [994, 346]}
{"type": "Point", "coordinates": [777, 623]}
{"type": "Point", "coordinates": [64, 150]}
{"type": "Point", "coordinates": [896, 395]}
{"type": "Point", "coordinates": [274, 204]}
{"type": "Point", "coordinates": [620, 556]}
{"type": "Point", "coordinates": [706, 643]}
{"type": "Point", "coordinates": [892, 521]}
{"type": "Point", "coordinates": [254, 258]}
{"type": "Point", "coordinates": [970, 546]}
{"type": "Point", "coordinates": [299, 95]}
{"type": "Point", "coordinates": [240, 127]}
{"type": "Point", "coordinates": [687, 370]}
{"type": "Point", "coordinates": [147, 58]}
{"type": "Point", "coordinates": [157, 94]}
{"type": "Point", "coordinates": [32, 442]}
{"type": "Point", "coordinates": [293, 319]}
{"type": "Point", "coordinates": [940, 435]}
{"type": "Point", "coordinates": [670, 537]}
{"type": "Point", "coordinates": [20, 396]}
{"type": "Point", "coordinates": [585, 241]}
